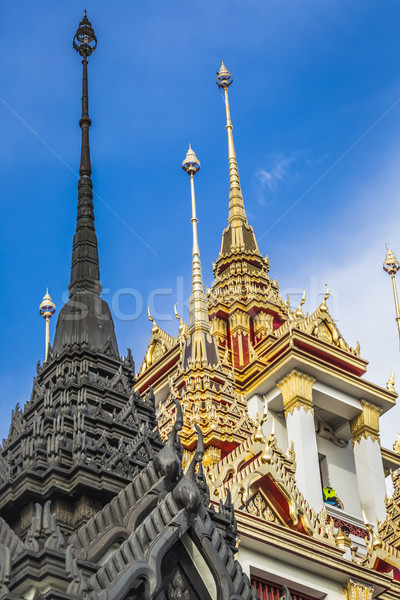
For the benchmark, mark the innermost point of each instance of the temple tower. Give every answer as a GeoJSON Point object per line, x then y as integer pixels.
{"type": "Point", "coordinates": [203, 381]}
{"type": "Point", "coordinates": [239, 320]}
{"type": "Point", "coordinates": [84, 433]}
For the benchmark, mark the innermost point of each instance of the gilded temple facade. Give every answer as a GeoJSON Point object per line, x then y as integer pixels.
{"type": "Point", "coordinates": [242, 462]}
{"type": "Point", "coordinates": [290, 423]}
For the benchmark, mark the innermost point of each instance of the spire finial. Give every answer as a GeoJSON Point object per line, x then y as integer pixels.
{"type": "Point", "coordinates": [198, 301]}
{"type": "Point", "coordinates": [201, 348]}
{"type": "Point", "coordinates": [236, 204]}
{"type": "Point", "coordinates": [47, 309]}
{"type": "Point", "coordinates": [240, 235]}
{"type": "Point", "coordinates": [86, 317]}
{"type": "Point", "coordinates": [85, 41]}
{"type": "Point", "coordinates": [85, 273]}
{"type": "Point", "coordinates": [392, 266]}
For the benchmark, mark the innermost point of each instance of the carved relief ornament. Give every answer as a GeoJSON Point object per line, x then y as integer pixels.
{"type": "Point", "coordinates": [296, 389]}
{"type": "Point", "coordinates": [354, 590]}
{"type": "Point", "coordinates": [366, 424]}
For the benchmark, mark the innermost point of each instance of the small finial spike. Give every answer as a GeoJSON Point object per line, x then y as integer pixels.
{"type": "Point", "coordinates": [391, 265]}
{"type": "Point", "coordinates": [47, 309]}
{"type": "Point", "coordinates": [390, 383]}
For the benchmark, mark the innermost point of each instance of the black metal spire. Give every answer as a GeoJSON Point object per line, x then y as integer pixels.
{"type": "Point", "coordinates": [86, 317]}
{"type": "Point", "coordinates": [85, 273]}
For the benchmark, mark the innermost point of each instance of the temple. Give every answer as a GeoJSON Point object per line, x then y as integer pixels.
{"type": "Point", "coordinates": [290, 423]}
{"type": "Point", "coordinates": [242, 462]}
{"type": "Point", "coordinates": [93, 504]}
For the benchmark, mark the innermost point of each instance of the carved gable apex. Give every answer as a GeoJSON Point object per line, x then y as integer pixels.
{"type": "Point", "coordinates": [324, 328]}
{"type": "Point", "coordinates": [17, 424]}
{"type": "Point", "coordinates": [259, 506]}
{"type": "Point", "coordinates": [37, 390]}
{"type": "Point", "coordinates": [108, 349]}
{"type": "Point", "coordinates": [160, 343]}
{"type": "Point", "coordinates": [321, 325]}
{"type": "Point", "coordinates": [120, 382]}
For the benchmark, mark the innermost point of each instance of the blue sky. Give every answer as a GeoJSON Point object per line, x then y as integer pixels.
{"type": "Point", "coordinates": [310, 80]}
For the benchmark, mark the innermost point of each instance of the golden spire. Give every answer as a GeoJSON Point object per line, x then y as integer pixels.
{"type": "Point", "coordinates": [237, 215]}
{"type": "Point", "coordinates": [198, 312]}
{"type": "Point", "coordinates": [391, 266]}
{"type": "Point", "coordinates": [202, 346]}
{"type": "Point", "coordinates": [47, 309]}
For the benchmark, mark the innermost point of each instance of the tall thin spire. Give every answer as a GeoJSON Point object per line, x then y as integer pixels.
{"type": "Point", "coordinates": [239, 234]}
{"type": "Point", "coordinates": [392, 266]}
{"type": "Point", "coordinates": [85, 273]}
{"type": "Point", "coordinates": [86, 317]}
{"type": "Point", "coordinates": [198, 315]}
{"type": "Point", "coordinates": [201, 347]}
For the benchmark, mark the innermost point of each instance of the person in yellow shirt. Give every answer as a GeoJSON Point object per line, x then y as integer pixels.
{"type": "Point", "coordinates": [330, 497]}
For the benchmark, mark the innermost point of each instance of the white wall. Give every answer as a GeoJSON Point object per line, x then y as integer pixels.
{"type": "Point", "coordinates": [342, 474]}
{"type": "Point", "coordinates": [294, 577]}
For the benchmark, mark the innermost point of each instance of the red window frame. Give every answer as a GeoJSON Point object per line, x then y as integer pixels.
{"type": "Point", "coordinates": [268, 590]}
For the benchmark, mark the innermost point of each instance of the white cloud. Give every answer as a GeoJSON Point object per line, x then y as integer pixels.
{"type": "Point", "coordinates": [276, 172]}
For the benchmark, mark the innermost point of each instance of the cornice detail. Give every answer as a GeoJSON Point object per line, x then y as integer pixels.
{"type": "Point", "coordinates": [366, 424]}
{"type": "Point", "coordinates": [354, 590]}
{"type": "Point", "coordinates": [296, 389]}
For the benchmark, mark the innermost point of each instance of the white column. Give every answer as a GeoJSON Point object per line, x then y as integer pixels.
{"type": "Point", "coordinates": [296, 390]}
{"type": "Point", "coordinates": [368, 461]}
{"type": "Point", "coordinates": [255, 405]}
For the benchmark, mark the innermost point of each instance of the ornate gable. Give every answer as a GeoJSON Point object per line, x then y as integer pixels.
{"type": "Point", "coordinates": [260, 478]}
{"type": "Point", "coordinates": [160, 343]}
{"type": "Point", "coordinates": [319, 324]}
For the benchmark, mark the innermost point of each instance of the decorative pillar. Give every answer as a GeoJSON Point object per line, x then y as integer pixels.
{"type": "Point", "coordinates": [354, 590]}
{"type": "Point", "coordinates": [368, 461]}
{"type": "Point", "coordinates": [239, 324]}
{"type": "Point", "coordinates": [296, 389]}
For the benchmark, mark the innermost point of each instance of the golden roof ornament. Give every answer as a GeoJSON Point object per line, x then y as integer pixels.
{"type": "Point", "coordinates": [47, 308]}
{"type": "Point", "coordinates": [299, 312]}
{"type": "Point", "coordinates": [390, 383]}
{"type": "Point", "coordinates": [183, 328]}
{"type": "Point", "coordinates": [327, 294]}
{"type": "Point", "coordinates": [237, 215]}
{"type": "Point", "coordinates": [391, 265]}
{"type": "Point", "coordinates": [155, 327]}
